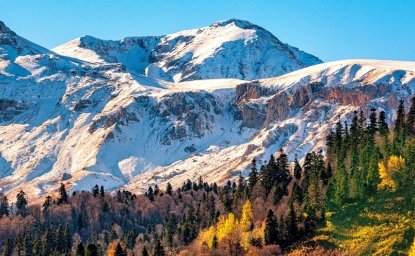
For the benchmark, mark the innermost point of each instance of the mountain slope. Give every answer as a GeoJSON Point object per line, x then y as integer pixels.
{"type": "Point", "coordinates": [86, 123]}
{"type": "Point", "coordinates": [227, 49]}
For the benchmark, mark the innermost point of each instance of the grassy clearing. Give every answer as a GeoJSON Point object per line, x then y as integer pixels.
{"type": "Point", "coordinates": [382, 225]}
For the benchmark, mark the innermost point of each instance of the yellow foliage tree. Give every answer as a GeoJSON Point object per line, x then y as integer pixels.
{"type": "Point", "coordinates": [206, 236]}
{"type": "Point", "coordinates": [412, 249]}
{"type": "Point", "coordinates": [386, 172]}
{"type": "Point", "coordinates": [246, 219]}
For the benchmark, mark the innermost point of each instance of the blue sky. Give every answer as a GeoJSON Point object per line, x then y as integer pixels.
{"type": "Point", "coordinates": [329, 29]}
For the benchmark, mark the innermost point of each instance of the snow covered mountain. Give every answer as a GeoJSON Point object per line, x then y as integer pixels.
{"type": "Point", "coordinates": [227, 49]}
{"type": "Point", "coordinates": [93, 121]}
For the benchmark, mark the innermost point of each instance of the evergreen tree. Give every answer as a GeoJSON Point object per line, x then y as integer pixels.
{"type": "Point", "coordinates": [150, 194]}
{"type": "Point", "coordinates": [91, 250]}
{"type": "Point", "coordinates": [28, 244]}
{"type": "Point", "coordinates": [410, 119]}
{"type": "Point", "coordinates": [4, 205]}
{"type": "Point", "coordinates": [171, 229]}
{"type": "Point", "coordinates": [95, 190]}
{"type": "Point", "coordinates": [297, 194]}
{"type": "Point", "coordinates": [80, 250]}
{"type": "Point", "coordinates": [63, 196]}
{"type": "Point", "coordinates": [383, 126]}
{"type": "Point", "coordinates": [21, 203]}
{"type": "Point", "coordinates": [297, 169]}
{"type": "Point", "coordinates": [119, 251]}
{"type": "Point", "coordinates": [169, 189]}
{"type": "Point", "coordinates": [47, 203]}
{"type": "Point", "coordinates": [215, 242]}
{"type": "Point", "coordinates": [399, 129]}
{"type": "Point", "coordinates": [48, 244]}
{"type": "Point", "coordinates": [156, 190]}
{"type": "Point", "coordinates": [373, 122]}
{"type": "Point", "coordinates": [271, 229]}
{"type": "Point", "coordinates": [8, 247]}
{"type": "Point", "coordinates": [159, 250]}
{"type": "Point", "coordinates": [269, 175]}
{"type": "Point", "coordinates": [102, 191]}
{"type": "Point", "coordinates": [144, 251]}
{"type": "Point", "coordinates": [253, 176]}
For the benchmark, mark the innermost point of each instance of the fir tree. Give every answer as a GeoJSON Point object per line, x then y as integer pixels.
{"type": "Point", "coordinates": [8, 247]}
{"type": "Point", "coordinates": [383, 126]}
{"type": "Point", "coordinates": [63, 196]}
{"type": "Point", "coordinates": [21, 203]}
{"type": "Point", "coordinates": [269, 175]}
{"type": "Point", "coordinates": [373, 122]}
{"type": "Point", "coordinates": [150, 194]}
{"type": "Point", "coordinates": [297, 169]}
{"type": "Point", "coordinates": [47, 203]}
{"type": "Point", "coordinates": [253, 176]}
{"type": "Point", "coordinates": [119, 251]}
{"type": "Point", "coordinates": [271, 229]}
{"type": "Point", "coordinates": [80, 250]}
{"type": "Point", "coordinates": [91, 250]}
{"type": "Point", "coordinates": [169, 189]}
{"type": "Point", "coordinates": [171, 229]}
{"type": "Point", "coordinates": [410, 119]}
{"type": "Point", "coordinates": [48, 244]}
{"type": "Point", "coordinates": [144, 251]}
{"type": "Point", "coordinates": [95, 190]}
{"type": "Point", "coordinates": [4, 205]}
{"type": "Point", "coordinates": [159, 250]}
{"type": "Point", "coordinates": [101, 191]}
{"type": "Point", "coordinates": [399, 129]}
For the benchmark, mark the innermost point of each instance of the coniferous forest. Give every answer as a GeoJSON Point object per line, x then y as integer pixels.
{"type": "Point", "coordinates": [280, 208]}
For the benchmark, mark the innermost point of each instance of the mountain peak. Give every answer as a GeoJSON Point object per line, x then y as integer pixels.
{"type": "Point", "coordinates": [244, 24]}
{"type": "Point", "coordinates": [5, 31]}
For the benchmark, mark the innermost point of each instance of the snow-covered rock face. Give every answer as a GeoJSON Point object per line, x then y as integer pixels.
{"type": "Point", "coordinates": [227, 49]}
{"type": "Point", "coordinates": [83, 123]}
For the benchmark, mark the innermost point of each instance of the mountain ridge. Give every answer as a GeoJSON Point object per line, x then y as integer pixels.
{"type": "Point", "coordinates": [195, 54]}
{"type": "Point", "coordinates": [86, 123]}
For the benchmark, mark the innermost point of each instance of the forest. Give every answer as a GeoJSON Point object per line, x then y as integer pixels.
{"type": "Point", "coordinates": [279, 208]}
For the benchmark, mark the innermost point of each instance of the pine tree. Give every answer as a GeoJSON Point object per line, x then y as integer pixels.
{"type": "Point", "coordinates": [80, 250]}
{"type": "Point", "coordinates": [101, 191]}
{"type": "Point", "coordinates": [95, 190]}
{"type": "Point", "coordinates": [63, 196]}
{"type": "Point", "coordinates": [253, 176]}
{"type": "Point", "coordinates": [48, 244]}
{"type": "Point", "coordinates": [297, 169]}
{"type": "Point", "coordinates": [21, 203]}
{"type": "Point", "coordinates": [292, 229]}
{"type": "Point", "coordinates": [383, 126]}
{"type": "Point", "coordinates": [269, 174]}
{"type": "Point", "coordinates": [169, 189]}
{"type": "Point", "coordinates": [297, 194]}
{"type": "Point", "coordinates": [28, 244]}
{"type": "Point", "coordinates": [150, 194]}
{"type": "Point", "coordinates": [156, 190]}
{"type": "Point", "coordinates": [171, 229]}
{"type": "Point", "coordinates": [271, 229]}
{"type": "Point", "coordinates": [119, 251]}
{"type": "Point", "coordinates": [399, 129]}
